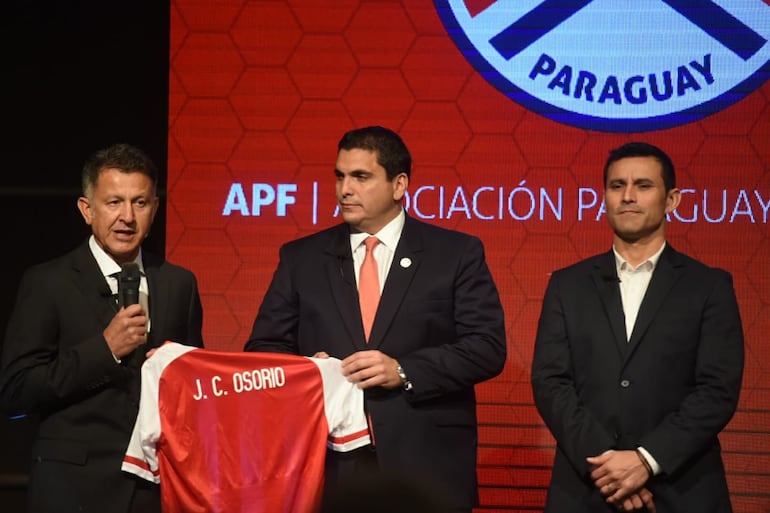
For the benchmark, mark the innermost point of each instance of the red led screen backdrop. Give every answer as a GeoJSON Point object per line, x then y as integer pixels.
{"type": "Point", "coordinates": [508, 135]}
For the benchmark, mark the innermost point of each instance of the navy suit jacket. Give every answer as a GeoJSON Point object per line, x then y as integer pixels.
{"type": "Point", "coordinates": [671, 388]}
{"type": "Point", "coordinates": [439, 315]}
{"type": "Point", "coordinates": [57, 366]}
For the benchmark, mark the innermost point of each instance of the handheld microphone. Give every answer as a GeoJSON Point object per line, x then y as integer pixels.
{"type": "Point", "coordinates": [128, 284]}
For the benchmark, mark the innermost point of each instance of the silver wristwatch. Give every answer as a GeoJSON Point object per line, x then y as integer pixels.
{"type": "Point", "coordinates": [405, 383]}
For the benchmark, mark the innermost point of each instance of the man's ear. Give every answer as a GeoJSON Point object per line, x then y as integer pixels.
{"type": "Point", "coordinates": [84, 205]}
{"type": "Point", "coordinates": [673, 198]}
{"type": "Point", "coordinates": [400, 183]}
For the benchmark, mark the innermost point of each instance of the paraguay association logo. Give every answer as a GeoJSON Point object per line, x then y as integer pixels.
{"type": "Point", "coordinates": [616, 65]}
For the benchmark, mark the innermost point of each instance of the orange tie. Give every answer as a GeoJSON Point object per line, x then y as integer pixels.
{"type": "Point", "coordinates": [369, 286]}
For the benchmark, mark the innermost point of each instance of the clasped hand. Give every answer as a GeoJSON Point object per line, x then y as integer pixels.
{"type": "Point", "coordinates": [620, 477]}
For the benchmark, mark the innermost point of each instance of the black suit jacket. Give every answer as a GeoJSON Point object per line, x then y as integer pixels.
{"type": "Point", "coordinates": [671, 388]}
{"type": "Point", "coordinates": [56, 365]}
{"type": "Point", "coordinates": [439, 315]}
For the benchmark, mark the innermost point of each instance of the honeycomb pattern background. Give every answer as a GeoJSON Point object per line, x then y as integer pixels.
{"type": "Point", "coordinates": [261, 91]}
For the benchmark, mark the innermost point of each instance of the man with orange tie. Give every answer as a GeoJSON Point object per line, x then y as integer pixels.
{"type": "Point", "coordinates": [412, 311]}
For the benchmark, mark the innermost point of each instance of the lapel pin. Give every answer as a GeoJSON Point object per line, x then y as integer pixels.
{"type": "Point", "coordinates": [405, 262]}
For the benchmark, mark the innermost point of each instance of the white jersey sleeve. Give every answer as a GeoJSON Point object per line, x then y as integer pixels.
{"type": "Point", "coordinates": [344, 407]}
{"type": "Point", "coordinates": [141, 457]}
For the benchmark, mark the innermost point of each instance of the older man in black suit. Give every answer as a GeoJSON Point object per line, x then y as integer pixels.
{"type": "Point", "coordinates": [72, 355]}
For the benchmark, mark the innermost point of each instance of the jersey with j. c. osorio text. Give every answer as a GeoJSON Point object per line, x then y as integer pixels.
{"type": "Point", "coordinates": [241, 432]}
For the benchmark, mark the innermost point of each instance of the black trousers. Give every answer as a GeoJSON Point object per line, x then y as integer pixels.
{"type": "Point", "coordinates": [355, 483]}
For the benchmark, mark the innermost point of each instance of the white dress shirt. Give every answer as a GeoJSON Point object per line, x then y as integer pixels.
{"type": "Point", "coordinates": [383, 252]}
{"type": "Point", "coordinates": [110, 269]}
{"type": "Point", "coordinates": [633, 286]}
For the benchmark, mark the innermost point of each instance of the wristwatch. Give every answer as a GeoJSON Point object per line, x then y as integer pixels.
{"type": "Point", "coordinates": [405, 383]}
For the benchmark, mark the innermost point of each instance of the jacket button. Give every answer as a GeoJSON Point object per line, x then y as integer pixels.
{"type": "Point", "coordinates": [625, 383]}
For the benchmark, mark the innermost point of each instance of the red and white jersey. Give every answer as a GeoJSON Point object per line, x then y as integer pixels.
{"type": "Point", "coordinates": [241, 432]}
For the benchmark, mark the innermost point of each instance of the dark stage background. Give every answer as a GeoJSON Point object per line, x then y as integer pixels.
{"type": "Point", "coordinates": [260, 92]}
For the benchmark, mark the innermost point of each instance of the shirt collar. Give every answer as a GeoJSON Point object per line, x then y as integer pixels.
{"type": "Point", "coordinates": [388, 236]}
{"type": "Point", "coordinates": [621, 263]}
{"type": "Point", "coordinates": [107, 265]}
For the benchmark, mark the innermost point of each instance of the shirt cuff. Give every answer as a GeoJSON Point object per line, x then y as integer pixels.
{"type": "Point", "coordinates": [653, 464]}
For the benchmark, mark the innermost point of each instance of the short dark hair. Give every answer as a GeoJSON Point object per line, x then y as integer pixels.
{"type": "Point", "coordinates": [124, 157]}
{"type": "Point", "coordinates": [643, 149]}
{"type": "Point", "coordinates": [392, 153]}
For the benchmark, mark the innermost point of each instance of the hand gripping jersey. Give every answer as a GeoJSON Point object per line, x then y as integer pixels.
{"type": "Point", "coordinates": [241, 432]}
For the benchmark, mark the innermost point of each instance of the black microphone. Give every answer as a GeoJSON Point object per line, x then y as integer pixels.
{"type": "Point", "coordinates": [610, 278]}
{"type": "Point", "coordinates": [128, 284]}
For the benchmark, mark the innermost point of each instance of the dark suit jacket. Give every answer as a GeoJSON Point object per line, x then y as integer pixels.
{"type": "Point", "coordinates": [439, 315]}
{"type": "Point", "coordinates": [671, 388]}
{"type": "Point", "coordinates": [57, 365]}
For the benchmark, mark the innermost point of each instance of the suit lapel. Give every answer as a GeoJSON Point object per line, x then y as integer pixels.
{"type": "Point", "coordinates": [342, 281]}
{"type": "Point", "coordinates": [406, 262]}
{"type": "Point", "coordinates": [665, 275]}
{"type": "Point", "coordinates": [92, 285]}
{"type": "Point", "coordinates": [158, 297]}
{"type": "Point", "coordinates": [605, 277]}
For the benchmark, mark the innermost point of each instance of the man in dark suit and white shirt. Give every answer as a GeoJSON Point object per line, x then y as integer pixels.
{"type": "Point", "coordinates": [72, 355]}
{"type": "Point", "coordinates": [438, 328]}
{"type": "Point", "coordinates": [638, 359]}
